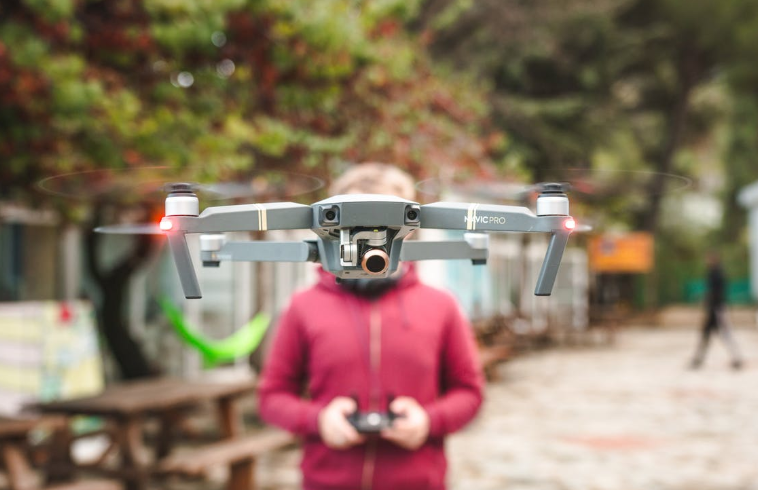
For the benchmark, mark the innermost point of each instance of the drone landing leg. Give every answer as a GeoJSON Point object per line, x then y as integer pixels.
{"type": "Point", "coordinates": [551, 263]}
{"type": "Point", "coordinates": [184, 266]}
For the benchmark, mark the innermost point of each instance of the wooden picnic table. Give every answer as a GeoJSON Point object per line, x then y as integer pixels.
{"type": "Point", "coordinates": [127, 406]}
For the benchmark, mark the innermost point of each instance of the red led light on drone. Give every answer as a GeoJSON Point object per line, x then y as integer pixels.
{"type": "Point", "coordinates": [569, 224]}
{"type": "Point", "coordinates": [166, 224]}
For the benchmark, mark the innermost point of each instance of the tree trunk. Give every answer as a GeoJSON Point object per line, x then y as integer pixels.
{"type": "Point", "coordinates": [113, 324]}
{"type": "Point", "coordinates": [676, 122]}
{"type": "Point", "coordinates": [112, 319]}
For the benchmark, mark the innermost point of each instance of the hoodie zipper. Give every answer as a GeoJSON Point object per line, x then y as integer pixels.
{"type": "Point", "coordinates": [375, 353]}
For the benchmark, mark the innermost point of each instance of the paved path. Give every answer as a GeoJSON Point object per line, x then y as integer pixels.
{"type": "Point", "coordinates": [627, 417]}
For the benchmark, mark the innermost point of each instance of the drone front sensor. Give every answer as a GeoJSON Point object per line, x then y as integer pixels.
{"type": "Point", "coordinates": [329, 215]}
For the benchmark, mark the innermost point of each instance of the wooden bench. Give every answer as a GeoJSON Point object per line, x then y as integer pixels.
{"type": "Point", "coordinates": [490, 357]}
{"type": "Point", "coordinates": [88, 485]}
{"type": "Point", "coordinates": [239, 454]}
{"type": "Point", "coordinates": [495, 341]}
{"type": "Point", "coordinates": [21, 477]}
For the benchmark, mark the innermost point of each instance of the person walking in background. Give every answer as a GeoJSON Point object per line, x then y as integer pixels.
{"type": "Point", "coordinates": [716, 320]}
{"type": "Point", "coordinates": [372, 344]}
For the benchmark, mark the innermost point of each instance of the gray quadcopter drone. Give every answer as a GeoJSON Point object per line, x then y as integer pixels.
{"type": "Point", "coordinates": [357, 235]}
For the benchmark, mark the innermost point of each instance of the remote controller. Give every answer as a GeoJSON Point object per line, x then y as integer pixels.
{"type": "Point", "coordinates": [372, 422]}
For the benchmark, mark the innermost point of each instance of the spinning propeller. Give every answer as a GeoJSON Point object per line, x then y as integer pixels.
{"type": "Point", "coordinates": [150, 185]}
{"type": "Point", "coordinates": [590, 188]}
{"type": "Point", "coordinates": [140, 184]}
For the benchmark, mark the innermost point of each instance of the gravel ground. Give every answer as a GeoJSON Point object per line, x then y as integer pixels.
{"type": "Point", "coordinates": [628, 417]}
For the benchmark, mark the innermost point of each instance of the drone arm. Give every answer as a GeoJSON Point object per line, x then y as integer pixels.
{"type": "Point", "coordinates": [305, 251]}
{"type": "Point", "coordinates": [246, 217]}
{"type": "Point", "coordinates": [485, 217]}
{"type": "Point", "coordinates": [475, 249]}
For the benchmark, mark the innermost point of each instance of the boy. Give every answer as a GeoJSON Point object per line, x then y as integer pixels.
{"type": "Point", "coordinates": [387, 343]}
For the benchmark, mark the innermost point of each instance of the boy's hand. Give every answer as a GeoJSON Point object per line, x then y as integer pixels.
{"type": "Point", "coordinates": [335, 430]}
{"type": "Point", "coordinates": [411, 429]}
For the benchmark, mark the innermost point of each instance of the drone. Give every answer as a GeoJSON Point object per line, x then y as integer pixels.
{"type": "Point", "coordinates": [357, 235]}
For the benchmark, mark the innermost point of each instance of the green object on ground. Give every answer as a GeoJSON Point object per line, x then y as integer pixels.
{"type": "Point", "coordinates": [738, 291]}
{"type": "Point", "coordinates": [241, 343]}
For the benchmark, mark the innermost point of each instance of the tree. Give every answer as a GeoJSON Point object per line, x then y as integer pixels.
{"type": "Point", "coordinates": [575, 79]}
{"type": "Point", "coordinates": [548, 65]}
{"type": "Point", "coordinates": [616, 84]}
{"type": "Point", "coordinates": [228, 85]}
{"type": "Point", "coordinates": [675, 48]}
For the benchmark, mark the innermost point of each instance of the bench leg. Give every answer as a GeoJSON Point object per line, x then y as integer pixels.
{"type": "Point", "coordinates": [20, 474]}
{"type": "Point", "coordinates": [133, 461]}
{"type": "Point", "coordinates": [168, 423]}
{"type": "Point", "coordinates": [61, 465]}
{"type": "Point", "coordinates": [242, 475]}
{"type": "Point", "coordinates": [230, 417]}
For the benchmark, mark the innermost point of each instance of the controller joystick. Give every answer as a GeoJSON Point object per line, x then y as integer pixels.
{"type": "Point", "coordinates": [372, 422]}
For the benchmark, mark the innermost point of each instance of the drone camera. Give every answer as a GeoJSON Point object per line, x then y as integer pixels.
{"type": "Point", "coordinates": [367, 248]}
{"type": "Point", "coordinates": [412, 213]}
{"type": "Point", "coordinates": [375, 261]}
{"type": "Point", "coordinates": [329, 215]}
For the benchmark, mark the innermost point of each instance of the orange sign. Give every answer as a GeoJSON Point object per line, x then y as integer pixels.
{"type": "Point", "coordinates": [627, 253]}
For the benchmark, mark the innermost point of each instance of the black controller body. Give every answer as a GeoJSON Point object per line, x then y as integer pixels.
{"type": "Point", "coordinates": [372, 422]}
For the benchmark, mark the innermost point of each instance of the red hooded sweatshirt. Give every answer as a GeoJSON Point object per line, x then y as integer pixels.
{"type": "Point", "coordinates": [412, 341]}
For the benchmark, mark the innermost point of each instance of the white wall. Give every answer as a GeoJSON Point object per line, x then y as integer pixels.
{"type": "Point", "coordinates": [749, 199]}
{"type": "Point", "coordinates": [753, 222]}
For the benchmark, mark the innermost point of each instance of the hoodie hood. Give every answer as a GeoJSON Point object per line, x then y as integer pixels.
{"type": "Point", "coordinates": [408, 278]}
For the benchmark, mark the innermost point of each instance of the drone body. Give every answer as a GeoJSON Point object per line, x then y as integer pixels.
{"type": "Point", "coordinates": [358, 235]}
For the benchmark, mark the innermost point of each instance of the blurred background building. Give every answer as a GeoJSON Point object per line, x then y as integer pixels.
{"type": "Point", "coordinates": [648, 107]}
